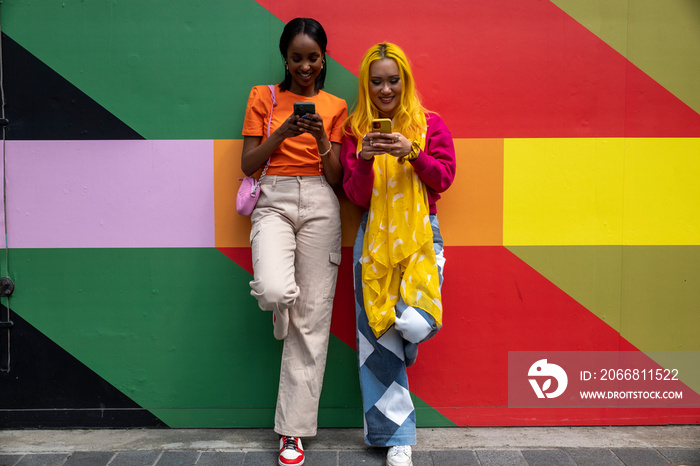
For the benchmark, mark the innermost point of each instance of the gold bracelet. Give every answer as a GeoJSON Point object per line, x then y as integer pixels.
{"type": "Point", "coordinates": [330, 146]}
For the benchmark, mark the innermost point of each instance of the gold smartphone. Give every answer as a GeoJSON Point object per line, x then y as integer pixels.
{"type": "Point", "coordinates": [381, 125]}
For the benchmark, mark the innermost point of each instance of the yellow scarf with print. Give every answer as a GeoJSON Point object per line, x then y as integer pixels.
{"type": "Point", "coordinates": [397, 254]}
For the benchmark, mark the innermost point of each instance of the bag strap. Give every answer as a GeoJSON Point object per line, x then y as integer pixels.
{"type": "Point", "coordinates": [269, 123]}
{"type": "Point", "coordinates": [274, 104]}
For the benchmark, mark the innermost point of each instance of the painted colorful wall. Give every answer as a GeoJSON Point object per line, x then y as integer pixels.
{"type": "Point", "coordinates": [573, 224]}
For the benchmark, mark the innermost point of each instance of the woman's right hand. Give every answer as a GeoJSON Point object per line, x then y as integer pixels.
{"type": "Point", "coordinates": [289, 128]}
{"type": "Point", "coordinates": [256, 152]}
{"type": "Point", "coordinates": [369, 150]}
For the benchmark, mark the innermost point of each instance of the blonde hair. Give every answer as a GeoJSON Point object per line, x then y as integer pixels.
{"type": "Point", "coordinates": [409, 118]}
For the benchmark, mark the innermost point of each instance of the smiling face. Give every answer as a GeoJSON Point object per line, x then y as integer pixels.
{"type": "Point", "coordinates": [385, 86]}
{"type": "Point", "coordinates": [304, 61]}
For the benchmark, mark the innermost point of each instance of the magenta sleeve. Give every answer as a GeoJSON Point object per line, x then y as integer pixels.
{"type": "Point", "coordinates": [436, 165]}
{"type": "Point", "coordinates": [358, 173]}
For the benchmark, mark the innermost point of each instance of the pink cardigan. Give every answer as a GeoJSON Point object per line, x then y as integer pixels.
{"type": "Point", "coordinates": [435, 166]}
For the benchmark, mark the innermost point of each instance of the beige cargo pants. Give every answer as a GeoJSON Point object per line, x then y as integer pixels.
{"type": "Point", "coordinates": [295, 242]}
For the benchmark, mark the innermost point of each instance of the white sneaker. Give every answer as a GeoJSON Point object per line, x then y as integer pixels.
{"type": "Point", "coordinates": [399, 456]}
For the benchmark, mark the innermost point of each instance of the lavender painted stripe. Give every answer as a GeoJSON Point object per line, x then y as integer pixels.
{"type": "Point", "coordinates": [110, 194]}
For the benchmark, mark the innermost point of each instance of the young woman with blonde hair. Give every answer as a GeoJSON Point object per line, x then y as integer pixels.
{"type": "Point", "coordinates": [398, 256]}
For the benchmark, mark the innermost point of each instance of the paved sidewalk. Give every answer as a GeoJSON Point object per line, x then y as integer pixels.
{"type": "Point", "coordinates": [534, 446]}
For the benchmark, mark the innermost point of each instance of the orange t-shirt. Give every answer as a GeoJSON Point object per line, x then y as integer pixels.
{"type": "Point", "coordinates": [297, 156]}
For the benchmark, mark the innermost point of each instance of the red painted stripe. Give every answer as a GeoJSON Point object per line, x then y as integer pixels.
{"type": "Point", "coordinates": [240, 256]}
{"type": "Point", "coordinates": [506, 68]}
{"type": "Point", "coordinates": [495, 303]}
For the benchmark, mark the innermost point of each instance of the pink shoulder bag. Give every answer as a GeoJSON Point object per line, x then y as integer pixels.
{"type": "Point", "coordinates": [248, 193]}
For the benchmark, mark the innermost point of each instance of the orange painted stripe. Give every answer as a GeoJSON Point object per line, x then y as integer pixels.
{"type": "Point", "coordinates": [470, 212]}
{"type": "Point", "coordinates": [231, 229]}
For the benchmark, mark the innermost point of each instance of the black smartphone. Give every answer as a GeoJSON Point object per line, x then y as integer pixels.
{"type": "Point", "coordinates": [302, 108]}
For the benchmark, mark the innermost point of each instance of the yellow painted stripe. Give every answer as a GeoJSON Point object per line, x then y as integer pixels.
{"type": "Point", "coordinates": [597, 191]}
{"type": "Point", "coordinates": [662, 192]}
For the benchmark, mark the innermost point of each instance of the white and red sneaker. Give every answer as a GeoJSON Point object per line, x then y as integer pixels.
{"type": "Point", "coordinates": [291, 451]}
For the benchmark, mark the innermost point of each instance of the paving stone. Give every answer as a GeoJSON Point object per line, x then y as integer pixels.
{"type": "Point", "coordinates": [368, 457]}
{"type": "Point", "coordinates": [321, 457]}
{"type": "Point", "coordinates": [372, 457]}
{"type": "Point", "coordinates": [594, 457]}
{"type": "Point", "coordinates": [501, 458]}
{"type": "Point", "coordinates": [178, 458]}
{"type": "Point", "coordinates": [422, 458]}
{"type": "Point", "coordinates": [42, 460]}
{"type": "Point", "coordinates": [135, 458]}
{"type": "Point", "coordinates": [682, 455]}
{"type": "Point", "coordinates": [645, 456]}
{"type": "Point", "coordinates": [455, 458]}
{"type": "Point", "coordinates": [9, 460]}
{"type": "Point", "coordinates": [260, 458]}
{"type": "Point", "coordinates": [210, 458]}
{"type": "Point", "coordinates": [548, 458]}
{"type": "Point", "coordinates": [89, 458]}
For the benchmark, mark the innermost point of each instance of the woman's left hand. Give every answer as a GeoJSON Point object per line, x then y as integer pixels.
{"type": "Point", "coordinates": [395, 144]}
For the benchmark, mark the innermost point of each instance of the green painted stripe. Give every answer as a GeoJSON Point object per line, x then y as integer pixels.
{"type": "Point", "coordinates": [170, 328]}
{"type": "Point", "coordinates": [427, 416]}
{"type": "Point", "coordinates": [169, 70]}
{"type": "Point", "coordinates": [661, 38]}
{"type": "Point", "coordinates": [177, 331]}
